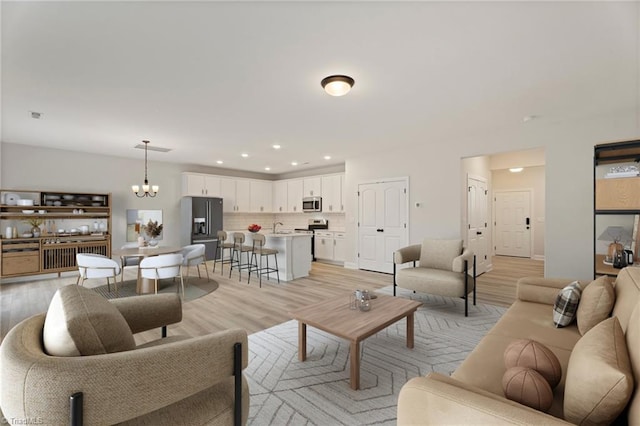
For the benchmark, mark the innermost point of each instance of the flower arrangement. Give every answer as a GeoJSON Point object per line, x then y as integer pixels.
{"type": "Point", "coordinates": [152, 229]}
{"type": "Point", "coordinates": [35, 222]}
{"type": "Point", "coordinates": [254, 227]}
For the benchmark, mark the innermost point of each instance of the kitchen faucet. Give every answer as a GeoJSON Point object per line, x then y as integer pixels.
{"type": "Point", "coordinates": [275, 224]}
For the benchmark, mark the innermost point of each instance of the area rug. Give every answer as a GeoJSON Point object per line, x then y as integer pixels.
{"type": "Point", "coordinates": [193, 288]}
{"type": "Point", "coordinates": [285, 391]}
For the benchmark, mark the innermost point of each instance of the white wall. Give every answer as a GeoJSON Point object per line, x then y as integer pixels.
{"type": "Point", "coordinates": [433, 168]}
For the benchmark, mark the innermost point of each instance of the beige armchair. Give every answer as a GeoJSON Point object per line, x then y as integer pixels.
{"type": "Point", "coordinates": [442, 269]}
{"type": "Point", "coordinates": [174, 380]}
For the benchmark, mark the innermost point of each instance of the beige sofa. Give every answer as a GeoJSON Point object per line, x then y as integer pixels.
{"type": "Point", "coordinates": [473, 394]}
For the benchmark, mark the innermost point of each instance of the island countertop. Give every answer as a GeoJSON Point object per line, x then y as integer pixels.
{"type": "Point", "coordinates": [294, 251]}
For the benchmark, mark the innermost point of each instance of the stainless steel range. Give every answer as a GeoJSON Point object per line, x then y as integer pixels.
{"type": "Point", "coordinates": [313, 225]}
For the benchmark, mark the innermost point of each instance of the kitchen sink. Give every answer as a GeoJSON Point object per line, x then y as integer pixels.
{"type": "Point", "coordinates": [283, 232]}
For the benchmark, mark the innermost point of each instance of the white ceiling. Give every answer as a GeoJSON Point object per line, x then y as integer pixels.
{"type": "Point", "coordinates": [211, 80]}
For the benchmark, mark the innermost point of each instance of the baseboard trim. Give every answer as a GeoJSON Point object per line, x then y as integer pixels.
{"type": "Point", "coordinates": [350, 265]}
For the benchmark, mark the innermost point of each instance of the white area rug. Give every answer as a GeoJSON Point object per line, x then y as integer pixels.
{"type": "Point", "coordinates": [285, 391]}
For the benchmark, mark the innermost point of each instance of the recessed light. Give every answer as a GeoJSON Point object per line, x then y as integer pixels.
{"type": "Point", "coordinates": [219, 161]}
{"type": "Point", "coordinates": [294, 163]}
{"type": "Point", "coordinates": [267, 168]}
{"type": "Point", "coordinates": [327, 157]}
{"type": "Point", "coordinates": [276, 146]}
{"type": "Point", "coordinates": [516, 169]}
{"type": "Point", "coordinates": [244, 155]}
{"type": "Point", "coordinates": [36, 115]}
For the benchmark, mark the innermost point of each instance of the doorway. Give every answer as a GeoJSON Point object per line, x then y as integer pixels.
{"type": "Point", "coordinates": [382, 223]}
{"type": "Point", "coordinates": [512, 233]}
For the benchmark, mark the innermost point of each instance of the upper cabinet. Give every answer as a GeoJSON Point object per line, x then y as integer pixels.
{"type": "Point", "coordinates": [200, 185]}
{"type": "Point", "coordinates": [294, 195]}
{"type": "Point", "coordinates": [280, 196]}
{"type": "Point", "coordinates": [241, 195]}
{"type": "Point", "coordinates": [236, 195]}
{"type": "Point", "coordinates": [332, 194]}
{"type": "Point", "coordinates": [312, 187]}
{"type": "Point", "coordinates": [260, 196]}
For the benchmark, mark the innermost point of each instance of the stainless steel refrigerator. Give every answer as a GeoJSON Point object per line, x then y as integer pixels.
{"type": "Point", "coordinates": [201, 220]}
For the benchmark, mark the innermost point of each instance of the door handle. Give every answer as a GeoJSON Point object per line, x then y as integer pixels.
{"type": "Point", "coordinates": [379, 230]}
{"type": "Point", "coordinates": [478, 233]}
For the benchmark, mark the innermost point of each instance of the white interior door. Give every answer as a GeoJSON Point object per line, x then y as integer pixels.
{"type": "Point", "coordinates": [382, 223]}
{"type": "Point", "coordinates": [477, 226]}
{"type": "Point", "coordinates": [513, 223]}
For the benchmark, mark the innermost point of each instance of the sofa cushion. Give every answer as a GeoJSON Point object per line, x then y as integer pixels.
{"type": "Point", "coordinates": [599, 379]}
{"type": "Point", "coordinates": [564, 310]}
{"type": "Point", "coordinates": [596, 303]}
{"type": "Point", "coordinates": [528, 387]}
{"type": "Point", "coordinates": [81, 322]}
{"type": "Point", "coordinates": [439, 254]}
{"type": "Point", "coordinates": [633, 337]}
{"type": "Point", "coordinates": [435, 281]}
{"type": "Point", "coordinates": [531, 354]}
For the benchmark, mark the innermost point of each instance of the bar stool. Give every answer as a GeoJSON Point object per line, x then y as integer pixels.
{"type": "Point", "coordinates": [258, 249]}
{"type": "Point", "coordinates": [236, 254]}
{"type": "Point", "coordinates": [220, 248]}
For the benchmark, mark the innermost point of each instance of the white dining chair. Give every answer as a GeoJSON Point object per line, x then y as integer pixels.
{"type": "Point", "coordinates": [92, 265]}
{"type": "Point", "coordinates": [194, 255]}
{"type": "Point", "coordinates": [128, 260]}
{"type": "Point", "coordinates": [162, 266]}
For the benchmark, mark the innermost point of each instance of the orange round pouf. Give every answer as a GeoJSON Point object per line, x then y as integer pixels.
{"type": "Point", "coordinates": [535, 355]}
{"type": "Point", "coordinates": [528, 387]}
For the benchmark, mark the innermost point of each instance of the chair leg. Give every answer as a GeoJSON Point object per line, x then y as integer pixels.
{"type": "Point", "coordinates": [277, 269]}
{"type": "Point", "coordinates": [260, 271]}
{"type": "Point", "coordinates": [394, 279]}
{"type": "Point", "coordinates": [108, 285]}
{"type": "Point", "coordinates": [474, 280]}
{"type": "Point", "coordinates": [78, 280]}
{"type": "Point", "coordinates": [198, 268]}
{"type": "Point", "coordinates": [182, 285]}
{"type": "Point", "coordinates": [466, 289]}
{"type": "Point", "coordinates": [156, 283]}
{"type": "Point", "coordinates": [233, 255]}
{"type": "Point", "coordinates": [206, 270]}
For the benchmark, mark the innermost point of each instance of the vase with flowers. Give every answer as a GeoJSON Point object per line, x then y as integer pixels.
{"type": "Point", "coordinates": [153, 231]}
{"type": "Point", "coordinates": [35, 223]}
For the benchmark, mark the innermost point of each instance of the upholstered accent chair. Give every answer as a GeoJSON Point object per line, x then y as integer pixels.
{"type": "Point", "coordinates": [163, 266]}
{"type": "Point", "coordinates": [79, 361]}
{"type": "Point", "coordinates": [444, 268]}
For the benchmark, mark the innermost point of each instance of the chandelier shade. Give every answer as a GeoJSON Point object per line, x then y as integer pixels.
{"type": "Point", "coordinates": [147, 190]}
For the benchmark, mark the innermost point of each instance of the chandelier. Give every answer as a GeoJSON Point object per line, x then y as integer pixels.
{"type": "Point", "coordinates": [145, 188]}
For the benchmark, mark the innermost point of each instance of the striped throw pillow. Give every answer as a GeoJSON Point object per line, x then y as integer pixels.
{"type": "Point", "coordinates": [566, 306]}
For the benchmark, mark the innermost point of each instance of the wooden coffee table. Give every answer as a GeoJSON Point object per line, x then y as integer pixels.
{"type": "Point", "coordinates": [335, 317]}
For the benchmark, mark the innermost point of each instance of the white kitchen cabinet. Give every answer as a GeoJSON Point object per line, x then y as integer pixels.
{"type": "Point", "coordinates": [332, 194]}
{"type": "Point", "coordinates": [324, 245]}
{"type": "Point", "coordinates": [312, 187]}
{"type": "Point", "coordinates": [294, 195]}
{"type": "Point", "coordinates": [339, 246]}
{"type": "Point", "coordinates": [279, 203]}
{"type": "Point", "coordinates": [260, 196]}
{"type": "Point", "coordinates": [200, 185]}
{"type": "Point", "coordinates": [236, 195]}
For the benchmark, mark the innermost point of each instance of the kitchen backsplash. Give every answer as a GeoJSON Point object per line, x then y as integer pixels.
{"type": "Point", "coordinates": [237, 221]}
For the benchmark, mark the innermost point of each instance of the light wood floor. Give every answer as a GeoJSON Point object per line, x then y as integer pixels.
{"type": "Point", "coordinates": [236, 304]}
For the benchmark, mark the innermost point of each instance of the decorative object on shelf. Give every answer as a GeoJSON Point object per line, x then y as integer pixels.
{"type": "Point", "coordinates": [11, 199]}
{"type": "Point", "coordinates": [145, 187]}
{"type": "Point", "coordinates": [337, 85]}
{"type": "Point", "coordinates": [35, 223]}
{"type": "Point", "coordinates": [254, 227]}
{"type": "Point", "coordinates": [619, 237]}
{"type": "Point", "coordinates": [622, 171]}
{"type": "Point", "coordinates": [153, 230]}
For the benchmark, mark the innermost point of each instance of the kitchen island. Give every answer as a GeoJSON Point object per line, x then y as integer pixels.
{"type": "Point", "coordinates": [294, 252]}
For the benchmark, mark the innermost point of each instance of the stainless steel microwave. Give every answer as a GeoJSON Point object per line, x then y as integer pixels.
{"type": "Point", "coordinates": [312, 204]}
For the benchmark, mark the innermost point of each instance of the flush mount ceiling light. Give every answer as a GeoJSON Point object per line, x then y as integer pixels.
{"type": "Point", "coordinates": [516, 169]}
{"type": "Point", "coordinates": [327, 157]}
{"type": "Point", "coordinates": [219, 162]}
{"type": "Point", "coordinates": [145, 188]}
{"type": "Point", "coordinates": [276, 146]}
{"type": "Point", "coordinates": [244, 155]}
{"type": "Point", "coordinates": [337, 85]}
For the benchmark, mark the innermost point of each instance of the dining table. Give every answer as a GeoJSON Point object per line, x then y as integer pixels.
{"type": "Point", "coordinates": [144, 285]}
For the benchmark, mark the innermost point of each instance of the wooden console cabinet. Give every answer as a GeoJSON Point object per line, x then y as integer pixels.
{"type": "Point", "coordinates": [53, 250]}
